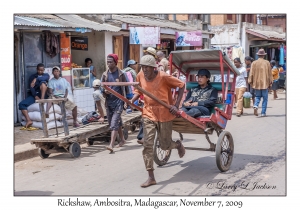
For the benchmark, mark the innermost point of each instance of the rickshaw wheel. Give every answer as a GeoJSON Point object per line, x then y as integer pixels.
{"type": "Point", "coordinates": [132, 128]}
{"type": "Point", "coordinates": [125, 132]}
{"type": "Point", "coordinates": [75, 150]}
{"type": "Point", "coordinates": [181, 136]}
{"type": "Point", "coordinates": [224, 151]}
{"type": "Point", "coordinates": [42, 153]}
{"type": "Point", "coordinates": [161, 157]}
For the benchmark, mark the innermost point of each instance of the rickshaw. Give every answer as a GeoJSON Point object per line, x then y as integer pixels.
{"type": "Point", "coordinates": [188, 62]}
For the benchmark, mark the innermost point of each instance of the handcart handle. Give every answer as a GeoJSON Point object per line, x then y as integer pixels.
{"type": "Point", "coordinates": [180, 112]}
{"type": "Point", "coordinates": [119, 83]}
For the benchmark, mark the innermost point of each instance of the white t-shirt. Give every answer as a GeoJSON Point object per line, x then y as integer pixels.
{"type": "Point", "coordinates": [240, 80]}
{"type": "Point", "coordinates": [59, 86]}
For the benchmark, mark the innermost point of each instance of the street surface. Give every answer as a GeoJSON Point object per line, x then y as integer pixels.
{"type": "Point", "coordinates": [258, 167]}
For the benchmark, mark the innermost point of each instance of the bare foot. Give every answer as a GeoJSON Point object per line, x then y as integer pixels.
{"type": "Point", "coordinates": [110, 149]}
{"type": "Point", "coordinates": [121, 144]}
{"type": "Point", "coordinates": [149, 182]}
{"type": "Point", "coordinates": [140, 141]}
{"type": "Point", "coordinates": [28, 124]}
{"type": "Point", "coordinates": [180, 148]}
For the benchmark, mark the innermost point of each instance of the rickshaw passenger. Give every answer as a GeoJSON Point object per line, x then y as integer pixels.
{"type": "Point", "coordinates": [200, 99]}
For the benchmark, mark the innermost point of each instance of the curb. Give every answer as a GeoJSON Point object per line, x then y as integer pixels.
{"type": "Point", "coordinates": [26, 155]}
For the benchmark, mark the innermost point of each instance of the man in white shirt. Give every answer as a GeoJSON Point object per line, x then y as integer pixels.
{"type": "Point", "coordinates": [58, 88]}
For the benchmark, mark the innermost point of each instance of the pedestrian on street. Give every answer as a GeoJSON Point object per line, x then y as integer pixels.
{"type": "Point", "coordinates": [155, 116]}
{"type": "Point", "coordinates": [240, 86]}
{"type": "Point", "coordinates": [260, 78]}
{"type": "Point", "coordinates": [275, 74]}
{"type": "Point", "coordinates": [163, 62]}
{"type": "Point", "coordinates": [248, 62]}
{"type": "Point", "coordinates": [150, 51]}
{"type": "Point", "coordinates": [114, 105]}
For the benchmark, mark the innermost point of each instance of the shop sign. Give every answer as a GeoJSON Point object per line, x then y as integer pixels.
{"type": "Point", "coordinates": [66, 62]}
{"type": "Point", "coordinates": [65, 44]}
{"type": "Point", "coordinates": [192, 38]}
{"type": "Point", "coordinates": [79, 43]}
{"type": "Point", "coordinates": [65, 55]}
{"type": "Point", "coordinates": [145, 35]}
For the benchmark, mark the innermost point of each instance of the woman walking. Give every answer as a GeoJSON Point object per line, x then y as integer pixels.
{"type": "Point", "coordinates": [275, 73]}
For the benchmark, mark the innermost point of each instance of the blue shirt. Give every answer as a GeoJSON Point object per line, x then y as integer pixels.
{"type": "Point", "coordinates": [44, 78]}
{"type": "Point", "coordinates": [58, 86]}
{"type": "Point", "coordinates": [113, 101]}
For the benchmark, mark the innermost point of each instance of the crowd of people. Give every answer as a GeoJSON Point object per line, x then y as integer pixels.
{"type": "Point", "coordinates": [154, 77]}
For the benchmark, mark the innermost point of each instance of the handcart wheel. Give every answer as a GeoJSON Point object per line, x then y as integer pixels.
{"type": "Point", "coordinates": [161, 157]}
{"type": "Point", "coordinates": [125, 132]}
{"type": "Point", "coordinates": [89, 142]}
{"type": "Point", "coordinates": [181, 136]}
{"type": "Point", "coordinates": [75, 149]}
{"type": "Point", "coordinates": [132, 128]}
{"type": "Point", "coordinates": [224, 151]}
{"type": "Point", "coordinates": [42, 153]}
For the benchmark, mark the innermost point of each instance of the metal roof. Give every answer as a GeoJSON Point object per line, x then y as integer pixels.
{"type": "Point", "coordinates": [72, 21]}
{"type": "Point", "coordinates": [267, 34]}
{"type": "Point", "coordinates": [209, 59]}
{"type": "Point", "coordinates": [146, 21]}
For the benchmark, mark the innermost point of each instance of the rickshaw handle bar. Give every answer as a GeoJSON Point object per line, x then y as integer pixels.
{"type": "Point", "coordinates": [119, 95]}
{"type": "Point", "coordinates": [135, 84]}
{"type": "Point", "coordinates": [119, 83]}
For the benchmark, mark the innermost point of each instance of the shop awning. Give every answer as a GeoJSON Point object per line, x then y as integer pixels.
{"type": "Point", "coordinates": [267, 35]}
{"type": "Point", "coordinates": [265, 45]}
{"type": "Point", "coordinates": [62, 21]}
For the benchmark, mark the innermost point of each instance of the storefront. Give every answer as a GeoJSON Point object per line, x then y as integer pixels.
{"type": "Point", "coordinates": [272, 49]}
{"type": "Point", "coordinates": [75, 49]}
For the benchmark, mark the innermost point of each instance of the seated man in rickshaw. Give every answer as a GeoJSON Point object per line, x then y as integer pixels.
{"type": "Point", "coordinates": [199, 100]}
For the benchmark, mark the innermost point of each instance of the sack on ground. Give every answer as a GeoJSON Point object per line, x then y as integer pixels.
{"type": "Point", "coordinates": [36, 116]}
{"type": "Point", "coordinates": [36, 108]}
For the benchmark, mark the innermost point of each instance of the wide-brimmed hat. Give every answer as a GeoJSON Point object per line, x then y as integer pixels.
{"type": "Point", "coordinates": [151, 50]}
{"type": "Point", "coordinates": [131, 62]}
{"type": "Point", "coordinates": [148, 60]}
{"type": "Point", "coordinates": [261, 52]}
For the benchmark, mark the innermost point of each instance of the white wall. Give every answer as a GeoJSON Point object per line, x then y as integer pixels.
{"type": "Point", "coordinates": [225, 35]}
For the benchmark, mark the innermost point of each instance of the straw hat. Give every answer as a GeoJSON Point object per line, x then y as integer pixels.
{"type": "Point", "coordinates": [148, 60]}
{"type": "Point", "coordinates": [151, 50]}
{"type": "Point", "coordinates": [261, 52]}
